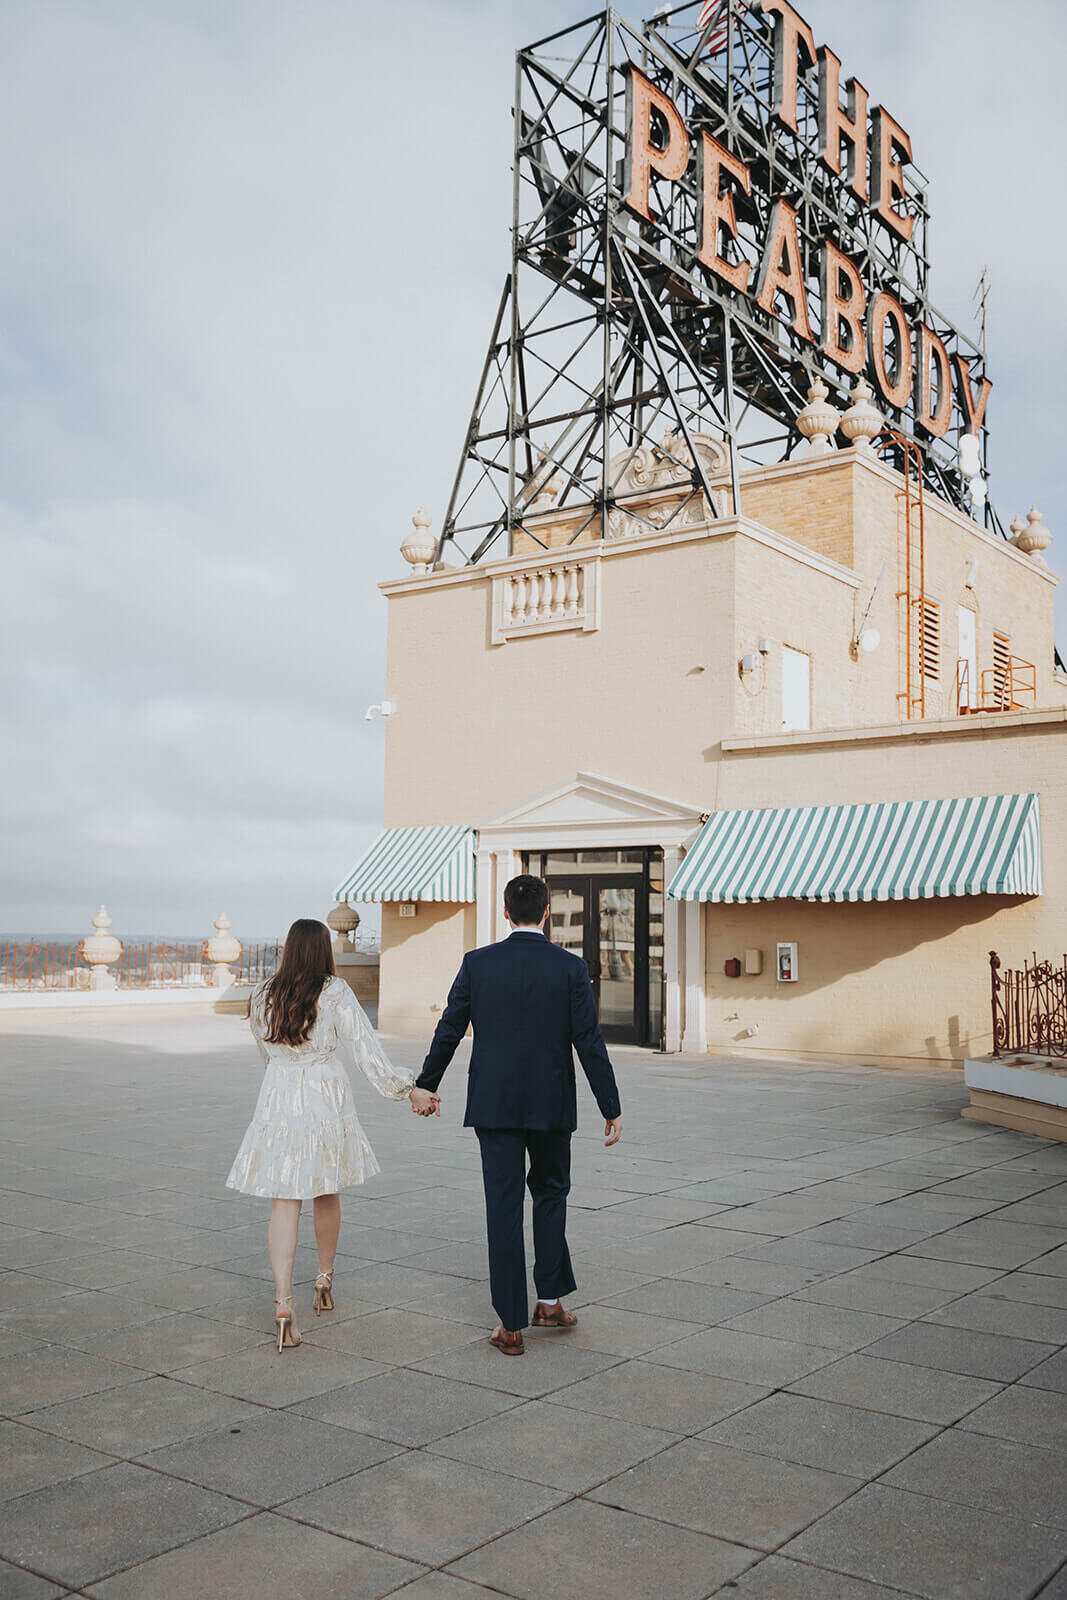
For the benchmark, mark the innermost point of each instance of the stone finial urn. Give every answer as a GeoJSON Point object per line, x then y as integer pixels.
{"type": "Point", "coordinates": [862, 422]}
{"type": "Point", "coordinates": [101, 950]}
{"type": "Point", "coordinates": [548, 482]}
{"type": "Point", "coordinates": [221, 950]}
{"type": "Point", "coordinates": [819, 419]}
{"type": "Point", "coordinates": [419, 547]}
{"type": "Point", "coordinates": [1032, 537]}
{"type": "Point", "coordinates": [343, 922]}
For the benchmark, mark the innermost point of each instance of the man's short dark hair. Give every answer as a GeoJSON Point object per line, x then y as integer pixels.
{"type": "Point", "coordinates": [526, 900]}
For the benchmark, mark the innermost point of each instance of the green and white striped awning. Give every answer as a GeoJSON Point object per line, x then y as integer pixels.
{"type": "Point", "coordinates": [414, 864]}
{"type": "Point", "coordinates": [890, 850]}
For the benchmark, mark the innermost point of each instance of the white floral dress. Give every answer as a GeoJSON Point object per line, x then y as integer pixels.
{"type": "Point", "coordinates": [305, 1138]}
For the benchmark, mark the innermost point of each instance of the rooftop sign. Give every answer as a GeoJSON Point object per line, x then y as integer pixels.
{"type": "Point", "coordinates": [824, 253]}
{"type": "Point", "coordinates": [709, 213]}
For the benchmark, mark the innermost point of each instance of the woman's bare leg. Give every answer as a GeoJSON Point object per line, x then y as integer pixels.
{"type": "Point", "coordinates": [281, 1240]}
{"type": "Point", "coordinates": [327, 1228]}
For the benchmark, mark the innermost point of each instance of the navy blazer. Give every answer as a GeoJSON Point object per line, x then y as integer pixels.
{"type": "Point", "coordinates": [531, 1004]}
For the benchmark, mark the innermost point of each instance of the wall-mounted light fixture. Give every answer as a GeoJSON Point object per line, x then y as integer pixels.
{"type": "Point", "coordinates": [385, 708]}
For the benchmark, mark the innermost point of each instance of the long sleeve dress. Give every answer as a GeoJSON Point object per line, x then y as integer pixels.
{"type": "Point", "coordinates": [305, 1138]}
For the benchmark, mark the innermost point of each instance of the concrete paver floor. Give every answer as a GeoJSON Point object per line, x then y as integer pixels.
{"type": "Point", "coordinates": [820, 1352]}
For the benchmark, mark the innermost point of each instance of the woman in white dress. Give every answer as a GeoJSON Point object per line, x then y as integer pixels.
{"type": "Point", "coordinates": [305, 1141]}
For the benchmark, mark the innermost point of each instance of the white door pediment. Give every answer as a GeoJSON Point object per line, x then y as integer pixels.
{"type": "Point", "coordinates": [591, 807]}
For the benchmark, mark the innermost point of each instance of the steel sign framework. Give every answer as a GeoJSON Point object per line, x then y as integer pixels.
{"type": "Point", "coordinates": [618, 351]}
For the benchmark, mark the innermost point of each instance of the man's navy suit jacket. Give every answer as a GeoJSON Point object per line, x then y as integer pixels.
{"type": "Point", "coordinates": [532, 1005]}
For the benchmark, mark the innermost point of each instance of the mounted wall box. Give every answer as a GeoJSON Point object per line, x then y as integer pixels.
{"type": "Point", "coordinates": [407, 908]}
{"type": "Point", "coordinates": [732, 968]}
{"type": "Point", "coordinates": [787, 963]}
{"type": "Point", "coordinates": [753, 963]}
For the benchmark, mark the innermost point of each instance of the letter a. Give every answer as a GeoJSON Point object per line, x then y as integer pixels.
{"type": "Point", "coordinates": [781, 270]}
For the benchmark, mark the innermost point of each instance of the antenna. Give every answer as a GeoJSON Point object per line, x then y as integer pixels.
{"type": "Point", "coordinates": [981, 295]}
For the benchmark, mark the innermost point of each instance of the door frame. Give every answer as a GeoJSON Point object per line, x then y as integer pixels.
{"type": "Point", "coordinates": [587, 811]}
{"type": "Point", "coordinates": [588, 885]}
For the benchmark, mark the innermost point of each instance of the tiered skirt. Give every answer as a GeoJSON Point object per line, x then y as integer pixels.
{"type": "Point", "coordinates": [304, 1139]}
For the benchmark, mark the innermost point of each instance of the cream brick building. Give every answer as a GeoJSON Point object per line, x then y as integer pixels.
{"type": "Point", "coordinates": [583, 709]}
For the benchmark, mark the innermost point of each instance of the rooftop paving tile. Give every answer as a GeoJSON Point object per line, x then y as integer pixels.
{"type": "Point", "coordinates": [765, 1237]}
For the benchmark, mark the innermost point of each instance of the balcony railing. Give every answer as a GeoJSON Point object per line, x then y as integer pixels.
{"type": "Point", "coordinates": [1008, 686]}
{"type": "Point", "coordinates": [57, 965]}
{"type": "Point", "coordinates": [1029, 1007]}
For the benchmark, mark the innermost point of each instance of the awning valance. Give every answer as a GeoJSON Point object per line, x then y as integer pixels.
{"type": "Point", "coordinates": [889, 850]}
{"type": "Point", "coordinates": [414, 864]}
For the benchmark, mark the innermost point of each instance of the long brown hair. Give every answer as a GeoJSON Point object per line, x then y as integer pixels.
{"type": "Point", "coordinates": [291, 997]}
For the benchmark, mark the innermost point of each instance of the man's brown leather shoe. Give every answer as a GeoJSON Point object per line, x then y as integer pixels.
{"type": "Point", "coordinates": [553, 1316]}
{"type": "Point", "coordinates": [509, 1344]}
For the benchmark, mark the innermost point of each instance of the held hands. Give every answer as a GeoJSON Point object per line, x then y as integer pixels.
{"type": "Point", "coordinates": [612, 1130]}
{"type": "Point", "coordinates": [425, 1104]}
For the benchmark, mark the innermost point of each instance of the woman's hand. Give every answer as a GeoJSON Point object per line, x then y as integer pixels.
{"type": "Point", "coordinates": [425, 1104]}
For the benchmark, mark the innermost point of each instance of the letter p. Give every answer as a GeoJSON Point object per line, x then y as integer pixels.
{"type": "Point", "coordinates": [646, 154]}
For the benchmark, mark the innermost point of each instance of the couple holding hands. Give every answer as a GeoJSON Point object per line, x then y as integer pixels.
{"type": "Point", "coordinates": [531, 1007]}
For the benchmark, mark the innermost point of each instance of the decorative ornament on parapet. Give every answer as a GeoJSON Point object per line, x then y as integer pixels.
{"type": "Point", "coordinates": [546, 486]}
{"type": "Point", "coordinates": [101, 950]}
{"type": "Point", "coordinates": [1032, 537]}
{"type": "Point", "coordinates": [419, 547]}
{"type": "Point", "coordinates": [819, 420]}
{"type": "Point", "coordinates": [342, 922]}
{"type": "Point", "coordinates": [862, 422]}
{"type": "Point", "coordinates": [221, 950]}
{"type": "Point", "coordinates": [652, 468]}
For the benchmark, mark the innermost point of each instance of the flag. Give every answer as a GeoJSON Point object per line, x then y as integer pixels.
{"type": "Point", "coordinates": [717, 13]}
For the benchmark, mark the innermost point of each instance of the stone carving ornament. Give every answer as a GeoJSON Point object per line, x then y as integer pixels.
{"type": "Point", "coordinates": [652, 467]}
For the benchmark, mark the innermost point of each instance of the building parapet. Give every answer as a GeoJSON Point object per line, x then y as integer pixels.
{"type": "Point", "coordinates": [978, 726]}
{"type": "Point", "coordinates": [721, 528]}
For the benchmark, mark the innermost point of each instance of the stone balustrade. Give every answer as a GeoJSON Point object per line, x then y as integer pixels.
{"type": "Point", "coordinates": [546, 599]}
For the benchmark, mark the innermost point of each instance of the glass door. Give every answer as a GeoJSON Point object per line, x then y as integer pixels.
{"type": "Point", "coordinates": [603, 922]}
{"type": "Point", "coordinates": [616, 929]}
{"type": "Point", "coordinates": [607, 907]}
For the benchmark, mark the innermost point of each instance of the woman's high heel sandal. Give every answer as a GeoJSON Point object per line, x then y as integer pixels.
{"type": "Point", "coordinates": [324, 1292]}
{"type": "Point", "coordinates": [283, 1318]}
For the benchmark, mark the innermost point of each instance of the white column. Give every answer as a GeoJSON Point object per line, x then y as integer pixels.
{"type": "Point", "coordinates": [483, 896]}
{"type": "Point", "coordinates": [507, 867]}
{"type": "Point", "coordinates": [695, 1036]}
{"type": "Point", "coordinates": [672, 956]}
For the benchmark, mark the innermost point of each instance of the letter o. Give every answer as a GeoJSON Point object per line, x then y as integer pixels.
{"type": "Point", "coordinates": [896, 391]}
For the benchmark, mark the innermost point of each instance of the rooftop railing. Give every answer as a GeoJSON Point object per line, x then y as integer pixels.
{"type": "Point", "coordinates": [1029, 1007]}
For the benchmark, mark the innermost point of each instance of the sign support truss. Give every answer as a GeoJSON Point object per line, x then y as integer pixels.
{"type": "Point", "coordinates": [616, 354]}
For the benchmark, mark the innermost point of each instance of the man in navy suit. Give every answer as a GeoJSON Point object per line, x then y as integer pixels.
{"type": "Point", "coordinates": [531, 1004]}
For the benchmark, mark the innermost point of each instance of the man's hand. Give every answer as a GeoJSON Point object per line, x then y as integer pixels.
{"type": "Point", "coordinates": [425, 1104]}
{"type": "Point", "coordinates": [613, 1130]}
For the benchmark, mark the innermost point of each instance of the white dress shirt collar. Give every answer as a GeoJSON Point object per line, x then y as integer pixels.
{"type": "Point", "coordinates": [531, 929]}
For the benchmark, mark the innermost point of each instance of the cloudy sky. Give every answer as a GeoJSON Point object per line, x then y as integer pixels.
{"type": "Point", "coordinates": [251, 256]}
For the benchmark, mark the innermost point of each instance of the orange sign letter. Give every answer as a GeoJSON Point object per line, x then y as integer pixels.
{"type": "Point", "coordinates": [973, 410]}
{"type": "Point", "coordinates": [835, 124]}
{"type": "Point", "coordinates": [895, 391]}
{"type": "Point", "coordinates": [887, 171]}
{"type": "Point", "coordinates": [929, 348]}
{"type": "Point", "coordinates": [844, 300]}
{"type": "Point", "coordinates": [643, 156]}
{"type": "Point", "coordinates": [791, 31]}
{"type": "Point", "coordinates": [717, 210]}
{"type": "Point", "coordinates": [781, 270]}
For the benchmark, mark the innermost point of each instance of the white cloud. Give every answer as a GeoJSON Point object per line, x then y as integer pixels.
{"type": "Point", "coordinates": [252, 254]}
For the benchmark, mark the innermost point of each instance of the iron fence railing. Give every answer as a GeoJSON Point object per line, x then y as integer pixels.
{"type": "Point", "coordinates": [258, 961]}
{"type": "Point", "coordinates": [156, 965]}
{"type": "Point", "coordinates": [1029, 1007]}
{"type": "Point", "coordinates": [56, 965]}
{"type": "Point", "coordinates": [42, 964]}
